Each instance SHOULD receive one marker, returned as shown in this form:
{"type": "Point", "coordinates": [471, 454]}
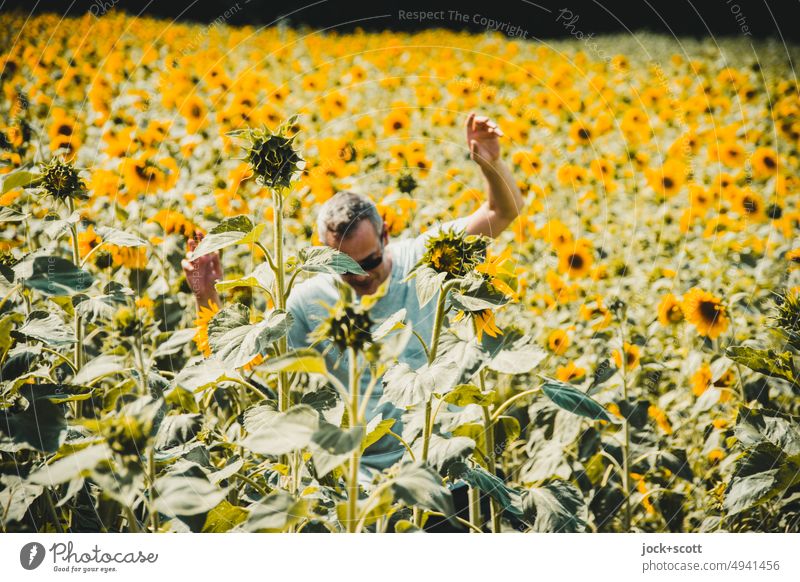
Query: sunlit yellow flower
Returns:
{"type": "Point", "coordinates": [669, 310]}
{"type": "Point", "coordinates": [172, 221]}
{"type": "Point", "coordinates": [669, 179]}
{"type": "Point", "coordinates": [660, 417]}
{"type": "Point", "coordinates": [793, 256]}
{"type": "Point", "coordinates": [495, 267]}
{"type": "Point", "coordinates": [576, 261]}
{"type": "Point", "coordinates": [396, 122]}
{"type": "Point", "coordinates": [485, 323]}
{"type": "Point", "coordinates": [597, 314]}
{"type": "Point", "coordinates": [765, 162]}
{"type": "Point", "coordinates": [194, 111]}
{"type": "Point", "coordinates": [706, 312]}
{"type": "Point", "coordinates": [558, 341]}
{"type": "Point", "coordinates": [87, 240]}
{"type": "Point", "coordinates": [570, 373]}
{"type": "Point", "coordinates": [130, 257]}
{"type": "Point", "coordinates": [631, 356]}
{"type": "Point", "coordinates": [204, 315]}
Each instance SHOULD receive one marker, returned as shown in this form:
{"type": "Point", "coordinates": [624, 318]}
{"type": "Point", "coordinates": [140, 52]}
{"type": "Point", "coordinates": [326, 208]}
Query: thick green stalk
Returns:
{"type": "Point", "coordinates": [626, 447]}
{"type": "Point", "coordinates": [280, 289]}
{"type": "Point", "coordinates": [76, 259]}
{"type": "Point", "coordinates": [475, 517]}
{"type": "Point", "coordinates": [437, 331]}
{"type": "Point", "coordinates": [151, 470]}
{"type": "Point", "coordinates": [490, 453]}
{"type": "Point", "coordinates": [355, 459]}
{"type": "Point", "coordinates": [427, 428]}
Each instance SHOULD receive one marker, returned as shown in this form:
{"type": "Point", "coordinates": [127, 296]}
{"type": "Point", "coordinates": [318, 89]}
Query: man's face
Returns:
{"type": "Point", "coordinates": [363, 245]}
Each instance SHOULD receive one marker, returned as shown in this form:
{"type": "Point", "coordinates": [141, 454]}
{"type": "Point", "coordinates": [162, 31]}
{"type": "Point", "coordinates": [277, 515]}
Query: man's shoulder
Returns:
{"type": "Point", "coordinates": [318, 288]}
{"type": "Point", "coordinates": [406, 252]}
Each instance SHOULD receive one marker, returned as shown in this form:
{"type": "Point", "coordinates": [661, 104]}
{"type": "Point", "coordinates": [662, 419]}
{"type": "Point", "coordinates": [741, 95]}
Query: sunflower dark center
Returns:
{"type": "Point", "coordinates": [575, 262]}
{"type": "Point", "coordinates": [708, 310]}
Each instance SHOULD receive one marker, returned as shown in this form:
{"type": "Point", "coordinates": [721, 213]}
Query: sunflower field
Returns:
{"type": "Point", "coordinates": [624, 358]}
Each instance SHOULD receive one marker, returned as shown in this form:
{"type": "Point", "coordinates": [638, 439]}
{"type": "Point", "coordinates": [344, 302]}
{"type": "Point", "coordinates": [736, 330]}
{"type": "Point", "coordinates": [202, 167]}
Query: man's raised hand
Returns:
{"type": "Point", "coordinates": [483, 139]}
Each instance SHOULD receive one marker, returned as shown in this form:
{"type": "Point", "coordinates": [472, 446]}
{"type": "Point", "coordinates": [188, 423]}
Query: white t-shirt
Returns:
{"type": "Point", "coordinates": [310, 302]}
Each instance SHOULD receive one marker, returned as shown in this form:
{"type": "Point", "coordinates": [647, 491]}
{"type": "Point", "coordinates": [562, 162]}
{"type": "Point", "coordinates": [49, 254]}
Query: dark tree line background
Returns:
{"type": "Point", "coordinates": [779, 19]}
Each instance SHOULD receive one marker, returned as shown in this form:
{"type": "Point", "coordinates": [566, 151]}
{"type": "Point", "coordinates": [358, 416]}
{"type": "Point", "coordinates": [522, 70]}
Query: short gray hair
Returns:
{"type": "Point", "coordinates": [341, 214]}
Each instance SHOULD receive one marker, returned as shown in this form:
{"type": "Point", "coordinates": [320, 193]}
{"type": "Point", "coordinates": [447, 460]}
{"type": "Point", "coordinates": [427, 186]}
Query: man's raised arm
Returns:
{"type": "Point", "coordinates": [505, 200]}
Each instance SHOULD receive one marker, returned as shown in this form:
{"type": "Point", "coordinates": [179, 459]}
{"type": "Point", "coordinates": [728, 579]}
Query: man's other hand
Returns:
{"type": "Point", "coordinates": [202, 272]}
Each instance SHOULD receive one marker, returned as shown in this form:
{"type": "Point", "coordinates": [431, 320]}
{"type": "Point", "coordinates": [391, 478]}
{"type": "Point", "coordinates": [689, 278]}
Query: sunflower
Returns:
{"type": "Point", "coordinates": [204, 315]}
{"type": "Point", "coordinates": [61, 180]}
{"type": "Point", "coordinates": [558, 341]}
{"type": "Point", "coordinates": [485, 323]}
{"type": "Point", "coordinates": [731, 154]}
{"type": "Point", "coordinates": [603, 171]}
{"type": "Point", "coordinates": [142, 175]}
{"type": "Point", "coordinates": [570, 373]}
{"type": "Point", "coordinates": [497, 268]}
{"type": "Point", "coordinates": [131, 257]}
{"type": "Point", "coordinates": [669, 310]}
{"type": "Point", "coordinates": [750, 205]}
{"type": "Point", "coordinates": [631, 356]}
{"type": "Point", "coordinates": [347, 326]}
{"type": "Point", "coordinates": [580, 133]}
{"type": "Point", "coordinates": [706, 312]}
{"type": "Point", "coordinates": [787, 315]}
{"type": "Point", "coordinates": [701, 379]}
{"type": "Point", "coordinates": [87, 240]}
{"type": "Point", "coordinates": [194, 111]}
{"type": "Point", "coordinates": [397, 121]}
{"type": "Point", "coordinates": [764, 162]}
{"type": "Point", "coordinates": [577, 261]}
{"type": "Point", "coordinates": [172, 221]}
{"type": "Point", "coordinates": [660, 417]}
{"type": "Point", "coordinates": [641, 487]}
{"type": "Point", "coordinates": [669, 179]}
{"type": "Point", "coordinates": [599, 315]}
{"type": "Point", "coordinates": [450, 252]}
{"type": "Point", "coordinates": [557, 234]}
{"type": "Point", "coordinates": [528, 162]}
{"type": "Point", "coordinates": [63, 133]}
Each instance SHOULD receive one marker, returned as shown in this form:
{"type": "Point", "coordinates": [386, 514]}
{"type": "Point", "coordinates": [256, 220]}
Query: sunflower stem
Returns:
{"type": "Point", "coordinates": [626, 486]}
{"type": "Point", "coordinates": [355, 459]}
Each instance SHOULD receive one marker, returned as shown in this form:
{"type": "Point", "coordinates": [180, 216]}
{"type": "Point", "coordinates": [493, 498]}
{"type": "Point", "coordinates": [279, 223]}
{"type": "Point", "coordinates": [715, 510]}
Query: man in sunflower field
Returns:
{"type": "Point", "coordinates": [351, 223]}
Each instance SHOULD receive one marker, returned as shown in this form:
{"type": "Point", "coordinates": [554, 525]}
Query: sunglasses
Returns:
{"type": "Point", "coordinates": [374, 262]}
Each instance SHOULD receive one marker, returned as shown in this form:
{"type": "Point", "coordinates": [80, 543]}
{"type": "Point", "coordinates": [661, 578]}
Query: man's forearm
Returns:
{"type": "Point", "coordinates": [205, 297]}
{"type": "Point", "coordinates": [505, 198]}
